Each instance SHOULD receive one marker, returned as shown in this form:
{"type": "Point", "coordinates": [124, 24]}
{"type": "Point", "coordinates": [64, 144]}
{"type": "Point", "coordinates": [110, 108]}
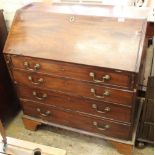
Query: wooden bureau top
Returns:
{"type": "Point", "coordinates": [61, 32]}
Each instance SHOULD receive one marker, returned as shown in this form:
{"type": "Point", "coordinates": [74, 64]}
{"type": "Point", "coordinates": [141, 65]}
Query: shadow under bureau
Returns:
{"type": "Point", "coordinates": [76, 69]}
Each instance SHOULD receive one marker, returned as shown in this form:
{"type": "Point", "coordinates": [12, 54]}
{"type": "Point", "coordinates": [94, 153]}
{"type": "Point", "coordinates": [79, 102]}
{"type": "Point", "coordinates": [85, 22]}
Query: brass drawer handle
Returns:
{"type": "Point", "coordinates": [106, 109]}
{"type": "Point", "coordinates": [105, 127]}
{"type": "Point", "coordinates": [72, 19]}
{"type": "Point", "coordinates": [39, 81]}
{"type": "Point", "coordinates": [27, 66]}
{"type": "Point", "coordinates": [47, 113]}
{"type": "Point", "coordinates": [39, 98]}
{"type": "Point", "coordinates": [106, 93]}
{"type": "Point", "coordinates": [105, 77]}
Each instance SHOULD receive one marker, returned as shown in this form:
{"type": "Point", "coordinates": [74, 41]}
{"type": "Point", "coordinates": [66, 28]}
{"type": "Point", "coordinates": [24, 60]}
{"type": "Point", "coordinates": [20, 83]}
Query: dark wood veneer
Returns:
{"type": "Point", "coordinates": [78, 104]}
{"type": "Point", "coordinates": [76, 120]}
{"type": "Point", "coordinates": [70, 86]}
{"type": "Point", "coordinates": [118, 78]}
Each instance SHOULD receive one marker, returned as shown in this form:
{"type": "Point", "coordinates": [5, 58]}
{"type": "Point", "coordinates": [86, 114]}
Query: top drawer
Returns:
{"type": "Point", "coordinates": [92, 74]}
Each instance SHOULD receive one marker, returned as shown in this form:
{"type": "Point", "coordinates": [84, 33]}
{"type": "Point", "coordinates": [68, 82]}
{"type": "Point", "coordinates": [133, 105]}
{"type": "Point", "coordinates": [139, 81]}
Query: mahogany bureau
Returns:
{"type": "Point", "coordinates": [76, 69]}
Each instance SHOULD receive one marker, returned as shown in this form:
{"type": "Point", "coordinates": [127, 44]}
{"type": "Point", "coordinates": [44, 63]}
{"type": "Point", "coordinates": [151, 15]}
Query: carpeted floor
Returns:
{"type": "Point", "coordinates": [74, 143]}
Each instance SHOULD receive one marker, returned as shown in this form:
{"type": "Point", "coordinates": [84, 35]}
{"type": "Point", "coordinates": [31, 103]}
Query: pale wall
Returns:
{"type": "Point", "coordinates": [10, 7]}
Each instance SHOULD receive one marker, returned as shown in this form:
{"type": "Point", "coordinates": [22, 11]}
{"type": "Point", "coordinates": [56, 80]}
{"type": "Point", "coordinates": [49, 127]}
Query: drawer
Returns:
{"type": "Point", "coordinates": [75, 120]}
{"type": "Point", "coordinates": [83, 105]}
{"type": "Point", "coordinates": [74, 87]}
{"type": "Point", "coordinates": [81, 72]}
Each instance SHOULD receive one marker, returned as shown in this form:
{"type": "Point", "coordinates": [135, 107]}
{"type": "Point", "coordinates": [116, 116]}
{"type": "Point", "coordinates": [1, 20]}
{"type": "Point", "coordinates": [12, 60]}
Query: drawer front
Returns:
{"type": "Point", "coordinates": [74, 87]}
{"type": "Point", "coordinates": [74, 120]}
{"type": "Point", "coordinates": [91, 107]}
{"type": "Point", "coordinates": [87, 73]}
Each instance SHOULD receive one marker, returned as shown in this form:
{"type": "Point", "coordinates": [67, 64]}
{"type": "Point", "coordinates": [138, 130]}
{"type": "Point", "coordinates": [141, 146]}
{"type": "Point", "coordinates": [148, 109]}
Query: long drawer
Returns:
{"type": "Point", "coordinates": [75, 120]}
{"type": "Point", "coordinates": [91, 107]}
{"type": "Point", "coordinates": [75, 87]}
{"type": "Point", "coordinates": [81, 72]}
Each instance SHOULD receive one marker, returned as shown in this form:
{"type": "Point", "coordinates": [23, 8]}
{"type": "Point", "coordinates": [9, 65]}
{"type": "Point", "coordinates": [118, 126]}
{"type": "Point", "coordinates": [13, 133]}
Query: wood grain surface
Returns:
{"type": "Point", "coordinates": [74, 87]}
{"type": "Point", "coordinates": [83, 39]}
{"type": "Point", "coordinates": [79, 104]}
{"type": "Point", "coordinates": [71, 119]}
